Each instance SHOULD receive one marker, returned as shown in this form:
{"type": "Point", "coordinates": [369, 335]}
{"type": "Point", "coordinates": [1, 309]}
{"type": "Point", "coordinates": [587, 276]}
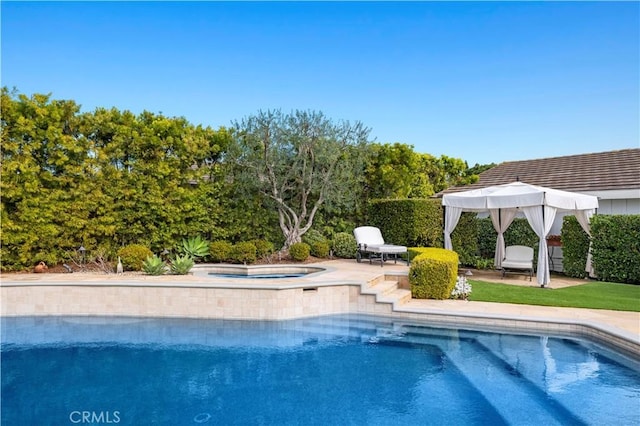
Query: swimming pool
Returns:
{"type": "Point", "coordinates": [347, 369]}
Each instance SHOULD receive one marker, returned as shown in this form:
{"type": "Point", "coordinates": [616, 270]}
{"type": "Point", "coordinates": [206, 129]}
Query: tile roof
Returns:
{"type": "Point", "coordinates": [611, 170]}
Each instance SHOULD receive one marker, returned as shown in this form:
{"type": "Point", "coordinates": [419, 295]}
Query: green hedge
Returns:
{"type": "Point", "coordinates": [410, 222]}
{"type": "Point", "coordinates": [616, 247]}
{"type": "Point", "coordinates": [465, 239]}
{"type": "Point", "coordinates": [575, 246]}
{"type": "Point", "coordinates": [433, 272]}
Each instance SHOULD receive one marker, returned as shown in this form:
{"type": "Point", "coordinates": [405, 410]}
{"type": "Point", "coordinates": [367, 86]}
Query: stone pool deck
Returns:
{"type": "Point", "coordinates": [344, 287]}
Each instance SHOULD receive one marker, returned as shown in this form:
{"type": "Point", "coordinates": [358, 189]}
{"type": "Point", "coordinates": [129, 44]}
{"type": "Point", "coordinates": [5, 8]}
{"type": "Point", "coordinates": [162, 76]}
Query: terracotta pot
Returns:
{"type": "Point", "coordinates": [40, 268]}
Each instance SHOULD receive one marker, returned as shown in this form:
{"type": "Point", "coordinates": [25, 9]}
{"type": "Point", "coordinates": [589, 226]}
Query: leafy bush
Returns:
{"type": "Point", "coordinates": [483, 263]}
{"type": "Point", "coordinates": [320, 245]}
{"type": "Point", "coordinates": [433, 273]}
{"type": "Point", "coordinates": [615, 247]}
{"type": "Point", "coordinates": [299, 251]}
{"type": "Point", "coordinates": [320, 249]}
{"type": "Point", "coordinates": [263, 248]}
{"type": "Point", "coordinates": [133, 256]}
{"type": "Point", "coordinates": [243, 252]}
{"type": "Point", "coordinates": [153, 265]}
{"type": "Point", "coordinates": [181, 265]}
{"type": "Point", "coordinates": [575, 246]}
{"type": "Point", "coordinates": [195, 247]}
{"type": "Point", "coordinates": [409, 222]}
{"type": "Point", "coordinates": [220, 251]}
{"type": "Point", "coordinates": [314, 236]}
{"type": "Point", "coordinates": [465, 238]}
{"type": "Point", "coordinates": [344, 245]}
{"type": "Point", "coordinates": [487, 237]}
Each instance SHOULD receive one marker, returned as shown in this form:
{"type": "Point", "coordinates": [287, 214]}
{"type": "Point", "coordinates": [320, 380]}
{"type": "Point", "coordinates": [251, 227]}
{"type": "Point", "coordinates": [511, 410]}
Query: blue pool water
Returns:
{"type": "Point", "coordinates": [335, 370]}
{"type": "Point", "coordinates": [256, 276]}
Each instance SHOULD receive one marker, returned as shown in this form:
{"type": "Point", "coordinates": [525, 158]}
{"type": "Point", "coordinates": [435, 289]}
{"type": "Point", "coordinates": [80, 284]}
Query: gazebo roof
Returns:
{"type": "Point", "coordinates": [518, 194]}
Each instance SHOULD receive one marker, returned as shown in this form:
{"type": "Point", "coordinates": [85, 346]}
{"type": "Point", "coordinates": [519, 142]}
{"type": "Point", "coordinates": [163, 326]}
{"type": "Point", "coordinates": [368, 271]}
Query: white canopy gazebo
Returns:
{"type": "Point", "coordinates": [538, 204]}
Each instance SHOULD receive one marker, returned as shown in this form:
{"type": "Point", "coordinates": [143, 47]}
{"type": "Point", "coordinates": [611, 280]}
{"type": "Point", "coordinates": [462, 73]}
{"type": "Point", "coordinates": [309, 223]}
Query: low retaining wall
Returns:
{"type": "Point", "coordinates": [187, 302]}
{"type": "Point", "coordinates": [197, 301]}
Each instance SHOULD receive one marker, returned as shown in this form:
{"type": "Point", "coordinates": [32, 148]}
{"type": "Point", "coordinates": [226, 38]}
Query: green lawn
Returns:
{"type": "Point", "coordinates": [595, 295]}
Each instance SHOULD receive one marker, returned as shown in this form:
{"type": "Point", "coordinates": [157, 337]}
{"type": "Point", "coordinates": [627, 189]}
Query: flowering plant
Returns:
{"type": "Point", "coordinates": [462, 288]}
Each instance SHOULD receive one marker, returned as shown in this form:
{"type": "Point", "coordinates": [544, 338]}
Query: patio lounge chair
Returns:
{"type": "Point", "coordinates": [518, 258]}
{"type": "Point", "coordinates": [372, 245]}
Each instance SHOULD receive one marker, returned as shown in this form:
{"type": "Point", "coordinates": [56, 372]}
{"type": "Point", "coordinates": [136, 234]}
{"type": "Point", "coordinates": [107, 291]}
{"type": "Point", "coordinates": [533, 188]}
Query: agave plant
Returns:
{"type": "Point", "coordinates": [195, 247]}
{"type": "Point", "coordinates": [153, 265]}
{"type": "Point", "coordinates": [181, 265]}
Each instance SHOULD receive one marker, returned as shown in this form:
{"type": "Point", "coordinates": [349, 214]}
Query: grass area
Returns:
{"type": "Point", "coordinates": [594, 295]}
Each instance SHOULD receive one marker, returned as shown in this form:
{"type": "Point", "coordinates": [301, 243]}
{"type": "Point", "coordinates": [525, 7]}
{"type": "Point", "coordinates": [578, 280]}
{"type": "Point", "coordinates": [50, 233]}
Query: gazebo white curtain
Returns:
{"type": "Point", "coordinates": [501, 220]}
{"type": "Point", "coordinates": [452, 216]}
{"type": "Point", "coordinates": [541, 220]}
{"type": "Point", "coordinates": [540, 206]}
{"type": "Point", "coordinates": [584, 219]}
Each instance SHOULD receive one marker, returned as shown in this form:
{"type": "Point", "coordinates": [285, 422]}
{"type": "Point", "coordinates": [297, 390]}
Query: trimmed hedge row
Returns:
{"type": "Point", "coordinates": [412, 222]}
{"type": "Point", "coordinates": [433, 272]}
{"type": "Point", "coordinates": [615, 247]}
{"type": "Point", "coordinates": [575, 246]}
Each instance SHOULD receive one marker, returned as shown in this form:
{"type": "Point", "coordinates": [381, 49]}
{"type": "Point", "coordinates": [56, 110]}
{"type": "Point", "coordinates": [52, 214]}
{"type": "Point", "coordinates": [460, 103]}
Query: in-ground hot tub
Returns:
{"type": "Point", "coordinates": [255, 271]}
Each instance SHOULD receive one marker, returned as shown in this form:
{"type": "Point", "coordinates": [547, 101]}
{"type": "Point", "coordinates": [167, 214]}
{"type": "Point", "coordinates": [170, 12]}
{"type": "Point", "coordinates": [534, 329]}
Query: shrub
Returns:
{"type": "Point", "coordinates": [313, 236]}
{"type": "Point", "coordinates": [153, 265]}
{"type": "Point", "coordinates": [408, 222]}
{"type": "Point", "coordinates": [615, 248]}
{"type": "Point", "coordinates": [195, 247]}
{"type": "Point", "coordinates": [575, 246]}
{"type": "Point", "coordinates": [181, 265]}
{"type": "Point", "coordinates": [344, 245]}
{"type": "Point", "coordinates": [263, 248]}
{"type": "Point", "coordinates": [483, 263]}
{"type": "Point", "coordinates": [299, 251]}
{"type": "Point", "coordinates": [465, 238]}
{"type": "Point", "coordinates": [243, 252]}
{"type": "Point", "coordinates": [133, 256]}
{"type": "Point", "coordinates": [220, 251]}
{"type": "Point", "coordinates": [487, 237]}
{"type": "Point", "coordinates": [320, 249]}
{"type": "Point", "coordinates": [433, 273]}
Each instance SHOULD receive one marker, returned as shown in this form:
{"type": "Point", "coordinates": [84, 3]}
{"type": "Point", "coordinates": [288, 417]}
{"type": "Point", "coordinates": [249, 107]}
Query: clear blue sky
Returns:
{"type": "Point", "coordinates": [485, 82]}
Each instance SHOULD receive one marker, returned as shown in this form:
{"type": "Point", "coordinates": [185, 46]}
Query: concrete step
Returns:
{"type": "Point", "coordinates": [381, 288]}
{"type": "Point", "coordinates": [398, 296]}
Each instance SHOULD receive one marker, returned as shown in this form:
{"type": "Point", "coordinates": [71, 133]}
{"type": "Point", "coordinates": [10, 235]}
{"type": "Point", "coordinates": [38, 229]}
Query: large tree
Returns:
{"type": "Point", "coordinates": [300, 162]}
{"type": "Point", "coordinates": [396, 171]}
